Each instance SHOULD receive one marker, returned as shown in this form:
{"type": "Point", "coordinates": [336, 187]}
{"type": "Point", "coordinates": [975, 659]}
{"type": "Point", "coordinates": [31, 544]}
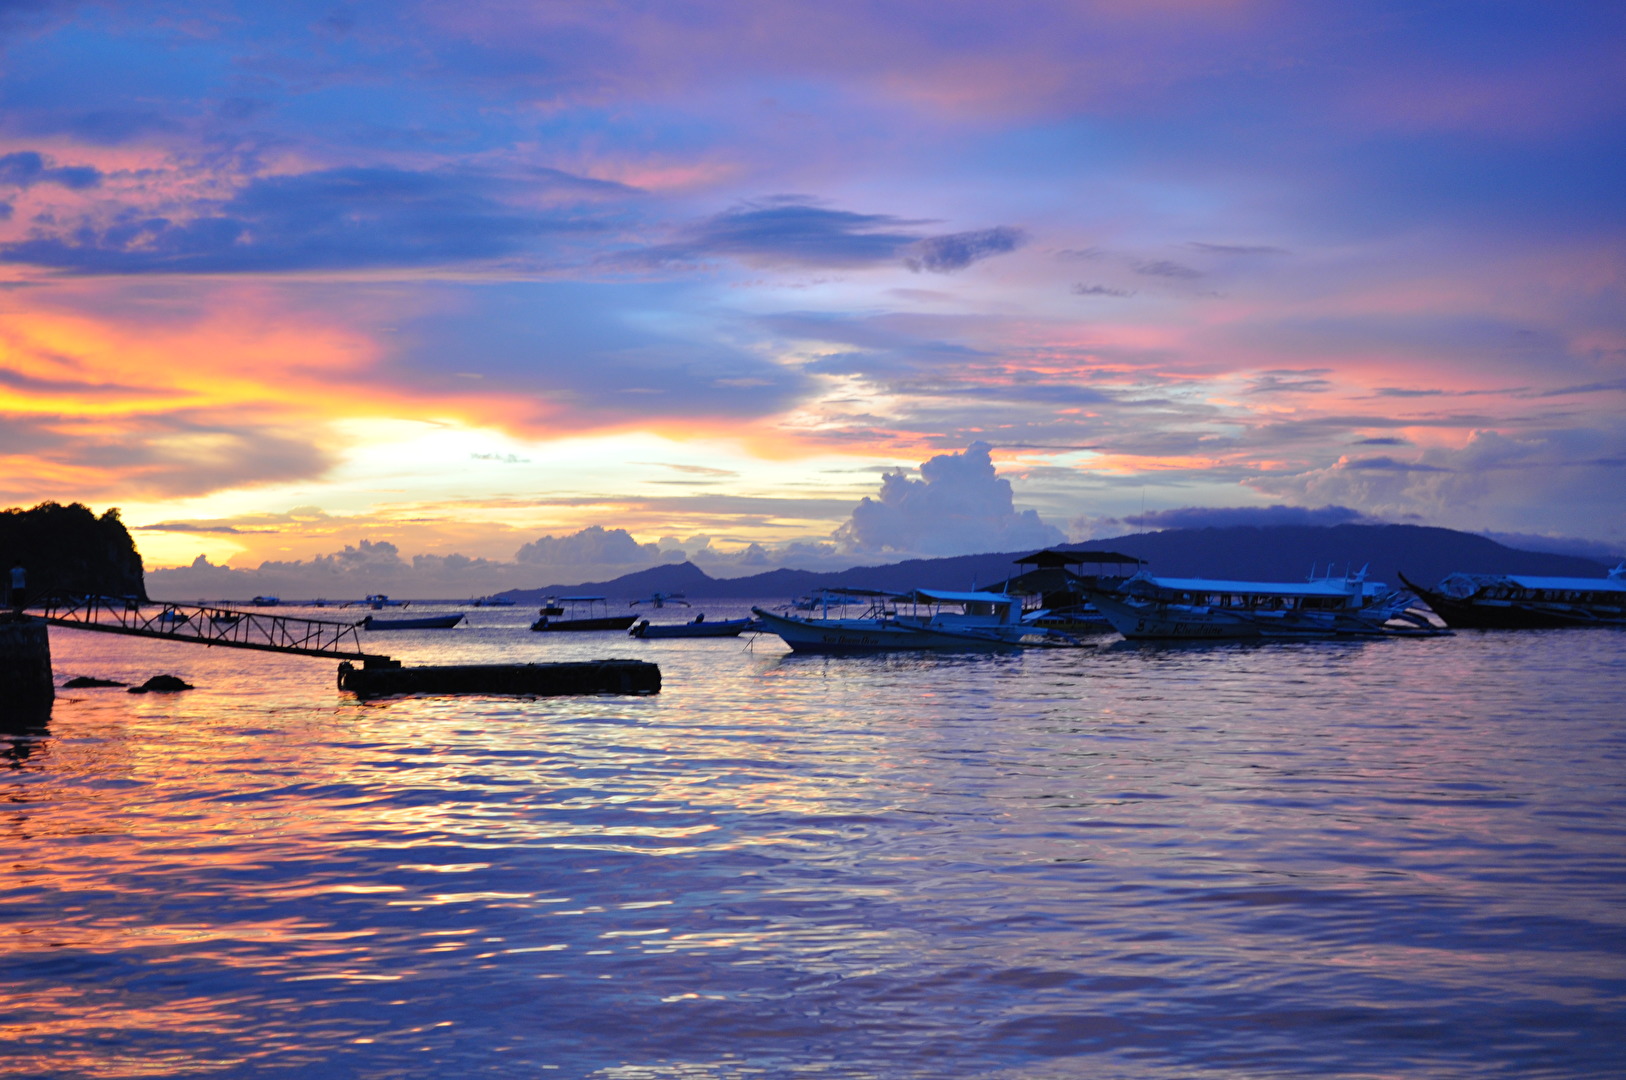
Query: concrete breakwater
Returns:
{"type": "Point", "coordinates": [26, 686]}
{"type": "Point", "coordinates": [542, 680]}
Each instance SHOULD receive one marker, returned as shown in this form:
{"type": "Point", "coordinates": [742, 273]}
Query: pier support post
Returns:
{"type": "Point", "coordinates": [26, 686]}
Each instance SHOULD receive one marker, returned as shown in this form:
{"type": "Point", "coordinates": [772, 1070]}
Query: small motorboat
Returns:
{"type": "Point", "coordinates": [586, 613]}
{"type": "Point", "coordinates": [378, 601]}
{"type": "Point", "coordinates": [265, 601]}
{"type": "Point", "coordinates": [421, 622]}
{"type": "Point", "coordinates": [696, 627]}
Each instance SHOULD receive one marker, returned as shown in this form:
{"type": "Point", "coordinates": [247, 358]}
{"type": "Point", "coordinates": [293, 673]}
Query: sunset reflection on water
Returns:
{"type": "Point", "coordinates": [1385, 858]}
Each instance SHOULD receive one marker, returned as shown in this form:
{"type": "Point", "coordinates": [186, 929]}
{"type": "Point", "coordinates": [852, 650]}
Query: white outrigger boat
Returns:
{"type": "Point", "coordinates": [936, 619]}
{"type": "Point", "coordinates": [1145, 607]}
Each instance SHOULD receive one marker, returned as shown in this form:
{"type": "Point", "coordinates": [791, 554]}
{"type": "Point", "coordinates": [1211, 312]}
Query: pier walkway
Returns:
{"type": "Point", "coordinates": [229, 627]}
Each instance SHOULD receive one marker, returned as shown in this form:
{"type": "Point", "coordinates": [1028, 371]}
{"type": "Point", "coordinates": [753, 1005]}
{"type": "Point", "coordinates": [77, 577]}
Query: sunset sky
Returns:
{"type": "Point", "coordinates": [503, 291]}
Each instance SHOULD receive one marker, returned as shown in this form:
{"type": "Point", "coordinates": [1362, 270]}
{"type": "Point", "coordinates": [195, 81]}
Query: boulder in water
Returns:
{"type": "Point", "coordinates": [162, 684]}
{"type": "Point", "coordinates": [85, 682]}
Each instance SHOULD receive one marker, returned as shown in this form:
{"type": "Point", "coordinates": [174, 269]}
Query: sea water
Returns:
{"type": "Point", "coordinates": [1401, 858]}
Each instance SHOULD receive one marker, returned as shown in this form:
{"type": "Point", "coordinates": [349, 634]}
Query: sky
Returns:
{"type": "Point", "coordinates": [479, 295]}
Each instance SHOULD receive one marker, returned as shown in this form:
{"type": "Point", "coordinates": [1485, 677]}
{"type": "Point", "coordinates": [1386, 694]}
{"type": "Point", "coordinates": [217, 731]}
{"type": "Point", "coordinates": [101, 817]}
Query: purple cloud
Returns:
{"type": "Point", "coordinates": [1224, 517]}
{"type": "Point", "coordinates": [26, 168]}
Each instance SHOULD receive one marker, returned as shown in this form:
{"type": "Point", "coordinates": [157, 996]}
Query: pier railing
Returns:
{"type": "Point", "coordinates": [209, 624]}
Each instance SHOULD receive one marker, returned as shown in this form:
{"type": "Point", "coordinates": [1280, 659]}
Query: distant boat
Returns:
{"type": "Point", "coordinates": [1145, 607]}
{"type": "Point", "coordinates": [422, 622]}
{"type": "Point", "coordinates": [661, 599]}
{"type": "Point", "coordinates": [378, 601]}
{"type": "Point", "coordinates": [172, 618]}
{"type": "Point", "coordinates": [582, 615]}
{"type": "Point", "coordinates": [1524, 602]}
{"type": "Point", "coordinates": [265, 601]}
{"type": "Point", "coordinates": [697, 627]}
{"type": "Point", "coordinates": [551, 607]}
{"type": "Point", "coordinates": [225, 618]}
{"type": "Point", "coordinates": [492, 601]}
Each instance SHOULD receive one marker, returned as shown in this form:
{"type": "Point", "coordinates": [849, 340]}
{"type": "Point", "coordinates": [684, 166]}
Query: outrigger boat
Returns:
{"type": "Point", "coordinates": [589, 621]}
{"type": "Point", "coordinates": [937, 619]}
{"type": "Point", "coordinates": [1523, 602]}
{"type": "Point", "coordinates": [696, 627]}
{"type": "Point", "coordinates": [1145, 607]}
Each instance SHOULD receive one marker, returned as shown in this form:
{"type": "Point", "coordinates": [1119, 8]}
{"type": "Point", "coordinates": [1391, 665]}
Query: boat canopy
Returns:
{"type": "Point", "coordinates": [1051, 558]}
{"type": "Point", "coordinates": [939, 596]}
{"type": "Point", "coordinates": [1335, 587]}
{"type": "Point", "coordinates": [1544, 584]}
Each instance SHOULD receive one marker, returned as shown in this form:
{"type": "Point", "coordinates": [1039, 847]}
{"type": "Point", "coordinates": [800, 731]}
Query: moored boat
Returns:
{"type": "Point", "coordinates": [1526, 602]}
{"type": "Point", "coordinates": [697, 627]}
{"type": "Point", "coordinates": [1146, 607]}
{"type": "Point", "coordinates": [421, 622]}
{"type": "Point", "coordinates": [584, 613]}
{"type": "Point", "coordinates": [936, 620]}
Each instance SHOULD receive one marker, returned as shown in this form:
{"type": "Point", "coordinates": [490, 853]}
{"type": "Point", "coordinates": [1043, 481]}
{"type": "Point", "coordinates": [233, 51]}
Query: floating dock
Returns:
{"type": "Point", "coordinates": [541, 680]}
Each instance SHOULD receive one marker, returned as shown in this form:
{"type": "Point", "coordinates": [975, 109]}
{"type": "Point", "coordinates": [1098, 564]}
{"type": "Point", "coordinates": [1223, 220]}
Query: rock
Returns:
{"type": "Point", "coordinates": [161, 684]}
{"type": "Point", "coordinates": [84, 682]}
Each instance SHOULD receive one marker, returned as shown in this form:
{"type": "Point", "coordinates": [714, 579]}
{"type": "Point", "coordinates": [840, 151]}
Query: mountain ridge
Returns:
{"type": "Point", "coordinates": [1237, 552]}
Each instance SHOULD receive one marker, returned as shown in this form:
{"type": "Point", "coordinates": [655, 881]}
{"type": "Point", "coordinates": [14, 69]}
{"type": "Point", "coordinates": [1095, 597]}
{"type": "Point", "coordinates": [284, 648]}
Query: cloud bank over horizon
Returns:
{"type": "Point", "coordinates": [959, 506]}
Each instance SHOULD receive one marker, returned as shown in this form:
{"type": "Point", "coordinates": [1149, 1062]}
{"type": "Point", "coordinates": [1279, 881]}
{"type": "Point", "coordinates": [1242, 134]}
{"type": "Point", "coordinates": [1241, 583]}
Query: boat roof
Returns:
{"type": "Point", "coordinates": [1336, 587]}
{"type": "Point", "coordinates": [1052, 557]}
{"type": "Point", "coordinates": [941, 596]}
{"type": "Point", "coordinates": [1526, 581]}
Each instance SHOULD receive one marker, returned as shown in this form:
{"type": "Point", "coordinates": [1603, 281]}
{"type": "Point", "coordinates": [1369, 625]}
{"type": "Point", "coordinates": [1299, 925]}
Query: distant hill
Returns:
{"type": "Point", "coordinates": [1242, 552]}
{"type": "Point", "coordinates": [69, 550]}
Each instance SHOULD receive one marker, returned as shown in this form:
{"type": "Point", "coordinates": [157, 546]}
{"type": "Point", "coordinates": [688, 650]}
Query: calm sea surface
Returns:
{"type": "Point", "coordinates": [1393, 859]}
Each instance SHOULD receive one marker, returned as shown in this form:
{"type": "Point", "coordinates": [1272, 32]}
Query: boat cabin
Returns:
{"type": "Point", "coordinates": [1350, 593]}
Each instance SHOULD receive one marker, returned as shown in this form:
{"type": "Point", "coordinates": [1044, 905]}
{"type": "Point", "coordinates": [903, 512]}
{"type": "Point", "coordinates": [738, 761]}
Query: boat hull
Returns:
{"type": "Point", "coordinates": [1146, 621]}
{"type": "Point", "coordinates": [425, 622]}
{"type": "Point", "coordinates": [724, 628]}
{"type": "Point", "coordinates": [1478, 614]}
{"type": "Point", "coordinates": [603, 622]}
{"type": "Point", "coordinates": [872, 635]}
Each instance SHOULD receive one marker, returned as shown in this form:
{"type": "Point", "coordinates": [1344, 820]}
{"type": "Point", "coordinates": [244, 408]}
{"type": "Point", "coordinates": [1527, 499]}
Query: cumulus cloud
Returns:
{"type": "Point", "coordinates": [1564, 480]}
{"type": "Point", "coordinates": [959, 506]}
{"type": "Point", "coordinates": [593, 545]}
{"type": "Point", "coordinates": [592, 554]}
